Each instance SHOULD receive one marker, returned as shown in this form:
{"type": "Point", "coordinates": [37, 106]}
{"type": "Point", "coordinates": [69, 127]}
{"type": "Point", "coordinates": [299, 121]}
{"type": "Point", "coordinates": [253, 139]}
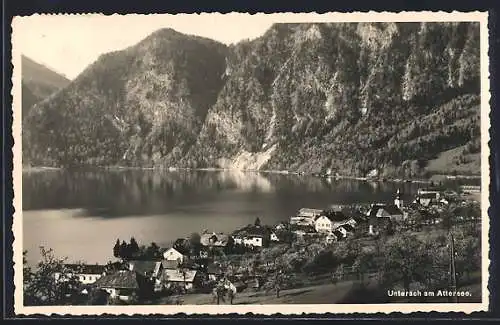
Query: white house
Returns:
{"type": "Point", "coordinates": [249, 240]}
{"type": "Point", "coordinates": [328, 223]}
{"type": "Point", "coordinates": [305, 217]}
{"type": "Point", "coordinates": [172, 254]}
{"type": "Point", "coordinates": [85, 274]}
{"type": "Point", "coordinates": [274, 237]}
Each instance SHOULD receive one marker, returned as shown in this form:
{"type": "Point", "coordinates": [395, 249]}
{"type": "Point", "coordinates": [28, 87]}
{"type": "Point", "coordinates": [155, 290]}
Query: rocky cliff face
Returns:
{"type": "Point", "coordinates": [346, 96]}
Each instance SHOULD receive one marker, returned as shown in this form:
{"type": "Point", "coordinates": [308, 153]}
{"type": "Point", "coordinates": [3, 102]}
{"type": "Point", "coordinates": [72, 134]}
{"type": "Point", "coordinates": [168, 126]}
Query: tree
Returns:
{"type": "Point", "coordinates": [124, 250]}
{"type": "Point", "coordinates": [51, 283]}
{"type": "Point", "coordinates": [116, 249]}
{"type": "Point", "coordinates": [364, 264]}
{"type": "Point", "coordinates": [133, 247]}
{"type": "Point", "coordinates": [195, 243]}
{"type": "Point", "coordinates": [257, 222]}
{"type": "Point", "coordinates": [407, 260]}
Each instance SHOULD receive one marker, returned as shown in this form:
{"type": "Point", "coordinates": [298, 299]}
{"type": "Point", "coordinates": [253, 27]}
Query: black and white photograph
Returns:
{"type": "Point", "coordinates": [234, 163]}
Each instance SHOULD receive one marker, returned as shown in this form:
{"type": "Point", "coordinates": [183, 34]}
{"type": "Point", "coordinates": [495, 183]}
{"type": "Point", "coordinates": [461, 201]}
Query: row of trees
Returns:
{"type": "Point", "coordinates": [132, 250]}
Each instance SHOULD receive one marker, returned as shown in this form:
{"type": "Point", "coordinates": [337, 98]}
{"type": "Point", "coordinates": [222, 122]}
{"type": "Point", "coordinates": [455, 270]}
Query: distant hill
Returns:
{"type": "Point", "coordinates": [350, 97]}
{"type": "Point", "coordinates": [38, 83]}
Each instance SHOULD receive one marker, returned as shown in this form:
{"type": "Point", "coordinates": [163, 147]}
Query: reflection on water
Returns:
{"type": "Point", "coordinates": [146, 192]}
{"type": "Point", "coordinates": [81, 213]}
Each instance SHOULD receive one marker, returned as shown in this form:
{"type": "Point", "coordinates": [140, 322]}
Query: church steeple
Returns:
{"type": "Point", "coordinates": [398, 201]}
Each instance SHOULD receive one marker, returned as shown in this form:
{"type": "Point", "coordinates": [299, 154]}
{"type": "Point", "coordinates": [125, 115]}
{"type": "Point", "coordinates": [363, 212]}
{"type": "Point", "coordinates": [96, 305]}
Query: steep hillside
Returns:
{"type": "Point", "coordinates": [346, 96]}
{"type": "Point", "coordinates": [38, 83]}
{"type": "Point", "coordinates": [138, 106]}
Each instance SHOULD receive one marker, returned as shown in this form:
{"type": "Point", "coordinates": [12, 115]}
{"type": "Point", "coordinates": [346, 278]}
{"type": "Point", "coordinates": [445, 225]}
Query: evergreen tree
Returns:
{"type": "Point", "coordinates": [124, 250]}
{"type": "Point", "coordinates": [133, 247]}
{"type": "Point", "coordinates": [257, 222]}
{"type": "Point", "coordinates": [116, 248]}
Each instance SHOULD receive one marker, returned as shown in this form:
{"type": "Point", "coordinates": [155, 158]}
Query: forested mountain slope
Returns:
{"type": "Point", "coordinates": [347, 96]}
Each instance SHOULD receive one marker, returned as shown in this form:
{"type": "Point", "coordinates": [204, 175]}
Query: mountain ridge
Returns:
{"type": "Point", "coordinates": [306, 97]}
{"type": "Point", "coordinates": [38, 82]}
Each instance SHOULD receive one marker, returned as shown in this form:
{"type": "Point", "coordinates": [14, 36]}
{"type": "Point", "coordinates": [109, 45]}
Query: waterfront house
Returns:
{"type": "Point", "coordinates": [427, 199]}
{"type": "Point", "coordinates": [173, 254]}
{"type": "Point", "coordinates": [434, 191]}
{"type": "Point", "coordinates": [469, 189]}
{"type": "Point", "coordinates": [84, 273]}
{"type": "Point", "coordinates": [305, 217]}
{"type": "Point", "coordinates": [332, 220]}
{"type": "Point", "coordinates": [189, 279]}
{"type": "Point", "coordinates": [390, 211]}
{"type": "Point", "coordinates": [123, 285]}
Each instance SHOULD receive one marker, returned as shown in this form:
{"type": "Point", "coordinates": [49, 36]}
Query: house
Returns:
{"type": "Point", "coordinates": [330, 238]}
{"type": "Point", "coordinates": [434, 191]}
{"type": "Point", "coordinates": [189, 279]}
{"type": "Point", "coordinates": [84, 273]}
{"type": "Point", "coordinates": [468, 189]}
{"type": "Point", "coordinates": [427, 199]}
{"type": "Point", "coordinates": [390, 211]}
{"type": "Point", "coordinates": [339, 234]}
{"type": "Point", "coordinates": [148, 269]}
{"type": "Point", "coordinates": [301, 230]}
{"type": "Point", "coordinates": [215, 240]}
{"type": "Point", "coordinates": [332, 220]}
{"type": "Point", "coordinates": [172, 254]}
{"type": "Point", "coordinates": [274, 237]}
{"type": "Point", "coordinates": [305, 217]}
{"type": "Point", "coordinates": [378, 224]}
{"type": "Point", "coordinates": [253, 235]}
{"type": "Point", "coordinates": [122, 284]}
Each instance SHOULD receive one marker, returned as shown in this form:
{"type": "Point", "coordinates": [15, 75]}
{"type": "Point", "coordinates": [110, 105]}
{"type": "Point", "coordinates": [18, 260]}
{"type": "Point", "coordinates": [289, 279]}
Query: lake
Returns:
{"type": "Point", "coordinates": [80, 214]}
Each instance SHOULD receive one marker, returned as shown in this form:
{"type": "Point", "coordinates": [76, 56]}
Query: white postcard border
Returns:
{"type": "Point", "coordinates": [292, 309]}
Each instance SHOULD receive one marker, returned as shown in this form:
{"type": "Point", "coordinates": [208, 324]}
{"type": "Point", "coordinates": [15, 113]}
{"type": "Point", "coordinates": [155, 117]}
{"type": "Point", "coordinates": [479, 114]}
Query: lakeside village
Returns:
{"type": "Point", "coordinates": [355, 244]}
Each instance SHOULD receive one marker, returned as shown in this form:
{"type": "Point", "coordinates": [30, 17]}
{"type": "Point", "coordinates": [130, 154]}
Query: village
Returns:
{"type": "Point", "coordinates": [316, 246]}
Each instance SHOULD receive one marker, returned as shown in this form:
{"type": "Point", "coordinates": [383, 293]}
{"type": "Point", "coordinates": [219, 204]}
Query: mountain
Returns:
{"type": "Point", "coordinates": [350, 97]}
{"type": "Point", "coordinates": [38, 83]}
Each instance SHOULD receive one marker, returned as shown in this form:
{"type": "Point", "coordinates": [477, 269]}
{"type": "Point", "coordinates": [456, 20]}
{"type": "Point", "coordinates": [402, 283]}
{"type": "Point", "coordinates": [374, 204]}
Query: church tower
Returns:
{"type": "Point", "coordinates": [398, 201]}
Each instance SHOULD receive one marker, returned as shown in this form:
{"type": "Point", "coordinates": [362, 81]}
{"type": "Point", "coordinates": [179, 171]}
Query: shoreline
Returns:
{"type": "Point", "coordinates": [430, 179]}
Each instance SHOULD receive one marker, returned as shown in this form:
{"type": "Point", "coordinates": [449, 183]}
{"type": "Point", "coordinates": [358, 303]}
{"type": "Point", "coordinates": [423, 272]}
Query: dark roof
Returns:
{"type": "Point", "coordinates": [253, 230]}
{"type": "Point", "coordinates": [85, 268]}
{"type": "Point", "coordinates": [335, 215]}
{"type": "Point", "coordinates": [121, 279]}
{"type": "Point", "coordinates": [393, 209]}
{"type": "Point", "coordinates": [143, 267]}
{"type": "Point", "coordinates": [390, 208]}
{"type": "Point", "coordinates": [338, 233]}
{"type": "Point", "coordinates": [306, 228]}
{"type": "Point", "coordinates": [348, 227]}
{"type": "Point", "coordinates": [427, 195]}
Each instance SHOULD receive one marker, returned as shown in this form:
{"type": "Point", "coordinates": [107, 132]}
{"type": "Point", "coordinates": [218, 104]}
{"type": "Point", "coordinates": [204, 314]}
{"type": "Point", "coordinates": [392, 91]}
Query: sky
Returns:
{"type": "Point", "coordinates": [69, 43]}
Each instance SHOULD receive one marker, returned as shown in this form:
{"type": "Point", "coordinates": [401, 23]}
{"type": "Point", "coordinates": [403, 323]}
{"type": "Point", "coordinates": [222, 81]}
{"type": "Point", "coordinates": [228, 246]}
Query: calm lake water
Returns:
{"type": "Point", "coordinates": [80, 214]}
